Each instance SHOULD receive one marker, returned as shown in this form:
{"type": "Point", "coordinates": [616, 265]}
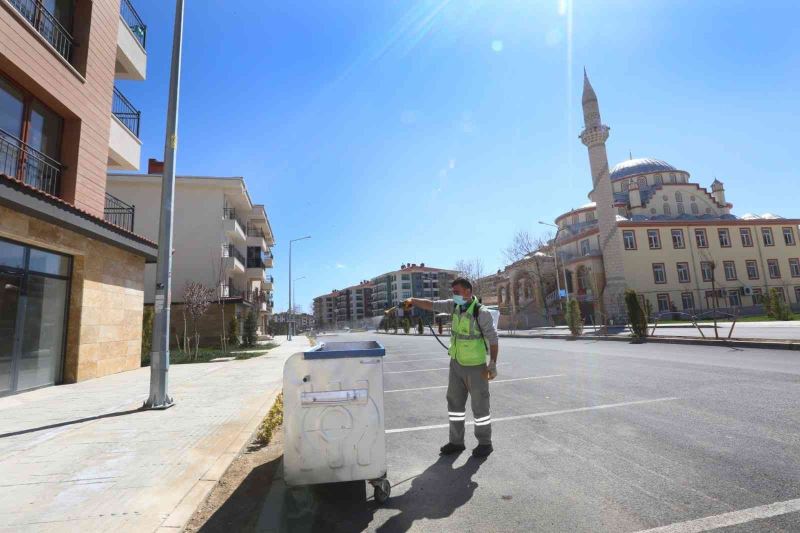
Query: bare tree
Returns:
{"type": "Point", "coordinates": [534, 254]}
{"type": "Point", "coordinates": [197, 299]}
{"type": "Point", "coordinates": [472, 269]}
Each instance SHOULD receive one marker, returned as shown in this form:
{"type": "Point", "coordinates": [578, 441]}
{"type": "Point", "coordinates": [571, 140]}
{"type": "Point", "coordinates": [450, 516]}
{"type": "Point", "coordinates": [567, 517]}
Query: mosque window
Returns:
{"type": "Point", "coordinates": [652, 210]}
{"type": "Point", "coordinates": [589, 216]}
{"type": "Point", "coordinates": [667, 209]}
{"type": "Point", "coordinates": [672, 178]}
{"type": "Point", "coordinates": [658, 179]}
{"type": "Point", "coordinates": [665, 197]}
{"type": "Point", "coordinates": [678, 196]}
{"type": "Point", "coordinates": [681, 210]}
{"type": "Point", "coordinates": [625, 186]}
{"type": "Point", "coordinates": [642, 182]}
{"type": "Point", "coordinates": [695, 209]}
{"type": "Point", "coordinates": [692, 198]}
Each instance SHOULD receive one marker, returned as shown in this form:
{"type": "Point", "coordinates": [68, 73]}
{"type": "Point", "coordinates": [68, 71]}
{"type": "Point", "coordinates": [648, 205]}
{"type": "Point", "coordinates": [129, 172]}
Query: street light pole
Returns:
{"type": "Point", "coordinates": [291, 313]}
{"type": "Point", "coordinates": [294, 289]}
{"type": "Point", "coordinates": [159, 356]}
{"type": "Point", "coordinates": [555, 256]}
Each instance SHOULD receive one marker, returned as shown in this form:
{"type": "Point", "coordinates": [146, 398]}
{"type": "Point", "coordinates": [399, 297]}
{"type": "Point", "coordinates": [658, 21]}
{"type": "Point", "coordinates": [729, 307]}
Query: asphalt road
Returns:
{"type": "Point", "coordinates": [589, 436]}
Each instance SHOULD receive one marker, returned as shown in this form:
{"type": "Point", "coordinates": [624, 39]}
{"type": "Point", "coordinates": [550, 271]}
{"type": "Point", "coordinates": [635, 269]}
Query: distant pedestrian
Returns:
{"type": "Point", "coordinates": [472, 332]}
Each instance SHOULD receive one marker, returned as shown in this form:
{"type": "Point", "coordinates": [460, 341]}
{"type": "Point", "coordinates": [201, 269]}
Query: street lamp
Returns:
{"type": "Point", "coordinates": [555, 256]}
{"type": "Point", "coordinates": [294, 289]}
{"type": "Point", "coordinates": [289, 329]}
{"type": "Point", "coordinates": [159, 356]}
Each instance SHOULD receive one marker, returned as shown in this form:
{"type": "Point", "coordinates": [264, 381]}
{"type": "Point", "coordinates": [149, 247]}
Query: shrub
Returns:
{"type": "Point", "coordinates": [233, 330]}
{"type": "Point", "coordinates": [147, 334]}
{"type": "Point", "coordinates": [250, 329]}
{"type": "Point", "coordinates": [778, 308]}
{"type": "Point", "coordinates": [636, 315]}
{"type": "Point", "coordinates": [420, 326]}
{"type": "Point", "coordinates": [573, 318]}
{"type": "Point", "coordinates": [271, 422]}
{"type": "Point", "coordinates": [406, 326]}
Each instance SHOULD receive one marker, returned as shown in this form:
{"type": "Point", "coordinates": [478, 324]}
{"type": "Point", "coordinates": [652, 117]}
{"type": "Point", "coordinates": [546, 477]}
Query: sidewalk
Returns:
{"type": "Point", "coordinates": [81, 457]}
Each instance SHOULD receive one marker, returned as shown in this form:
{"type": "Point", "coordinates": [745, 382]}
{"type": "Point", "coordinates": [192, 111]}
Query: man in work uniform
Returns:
{"type": "Point", "coordinates": [473, 329]}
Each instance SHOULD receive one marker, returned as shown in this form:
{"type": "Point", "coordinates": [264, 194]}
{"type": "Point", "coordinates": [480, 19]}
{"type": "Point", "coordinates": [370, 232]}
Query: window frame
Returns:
{"type": "Point", "coordinates": [703, 271]}
{"type": "Point", "coordinates": [770, 264]}
{"type": "Point", "coordinates": [794, 266]}
{"type": "Point", "coordinates": [764, 233]}
{"type": "Point", "coordinates": [701, 232]}
{"type": "Point", "coordinates": [731, 294]}
{"type": "Point", "coordinates": [663, 273]}
{"type": "Point", "coordinates": [663, 296]}
{"type": "Point", "coordinates": [657, 233]}
{"type": "Point", "coordinates": [727, 233]}
{"type": "Point", "coordinates": [673, 233]}
{"type": "Point", "coordinates": [732, 264]}
{"type": "Point", "coordinates": [625, 243]}
{"type": "Point", "coordinates": [685, 266]}
{"type": "Point", "coordinates": [752, 262]}
{"type": "Point", "coordinates": [691, 299]}
{"type": "Point", "coordinates": [790, 234]}
{"type": "Point", "coordinates": [742, 233]}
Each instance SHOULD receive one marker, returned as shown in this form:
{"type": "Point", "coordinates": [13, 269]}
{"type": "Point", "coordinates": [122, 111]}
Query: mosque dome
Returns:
{"type": "Point", "coordinates": [633, 167]}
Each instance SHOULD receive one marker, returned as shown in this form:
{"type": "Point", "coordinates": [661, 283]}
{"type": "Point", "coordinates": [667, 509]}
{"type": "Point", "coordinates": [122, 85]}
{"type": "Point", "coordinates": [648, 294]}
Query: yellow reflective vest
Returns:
{"type": "Point", "coordinates": [467, 345]}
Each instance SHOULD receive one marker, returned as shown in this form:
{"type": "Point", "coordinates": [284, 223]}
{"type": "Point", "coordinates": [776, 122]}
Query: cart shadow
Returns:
{"type": "Point", "coordinates": [436, 493]}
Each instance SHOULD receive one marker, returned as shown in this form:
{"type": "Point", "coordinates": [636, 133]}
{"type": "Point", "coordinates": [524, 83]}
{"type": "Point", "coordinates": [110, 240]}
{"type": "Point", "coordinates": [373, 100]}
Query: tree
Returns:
{"type": "Point", "coordinates": [249, 335]}
{"type": "Point", "coordinates": [233, 330]}
{"type": "Point", "coordinates": [420, 326]}
{"type": "Point", "coordinates": [406, 325]}
{"type": "Point", "coordinates": [636, 315]}
{"type": "Point", "coordinates": [779, 309]}
{"type": "Point", "coordinates": [196, 298]}
{"type": "Point", "coordinates": [147, 334]}
{"type": "Point", "coordinates": [472, 269]}
{"type": "Point", "coordinates": [573, 317]}
{"type": "Point", "coordinates": [534, 255]}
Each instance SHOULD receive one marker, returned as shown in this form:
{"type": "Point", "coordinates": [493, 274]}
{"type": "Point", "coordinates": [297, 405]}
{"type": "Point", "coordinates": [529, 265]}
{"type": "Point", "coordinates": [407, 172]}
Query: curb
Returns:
{"type": "Point", "coordinates": [732, 343]}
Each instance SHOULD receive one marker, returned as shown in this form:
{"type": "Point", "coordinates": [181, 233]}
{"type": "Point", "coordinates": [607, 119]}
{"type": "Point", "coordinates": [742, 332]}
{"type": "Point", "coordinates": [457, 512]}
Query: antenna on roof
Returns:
{"type": "Point", "coordinates": [630, 155]}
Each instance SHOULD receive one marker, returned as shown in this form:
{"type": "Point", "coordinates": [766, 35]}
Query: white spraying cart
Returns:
{"type": "Point", "coordinates": [333, 416]}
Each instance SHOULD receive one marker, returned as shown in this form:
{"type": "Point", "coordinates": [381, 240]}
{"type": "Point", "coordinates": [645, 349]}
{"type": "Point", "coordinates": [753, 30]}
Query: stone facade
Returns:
{"type": "Point", "coordinates": [104, 324]}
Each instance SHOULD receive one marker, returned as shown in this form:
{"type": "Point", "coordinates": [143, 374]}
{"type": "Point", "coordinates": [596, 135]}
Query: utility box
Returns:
{"type": "Point", "coordinates": [333, 416]}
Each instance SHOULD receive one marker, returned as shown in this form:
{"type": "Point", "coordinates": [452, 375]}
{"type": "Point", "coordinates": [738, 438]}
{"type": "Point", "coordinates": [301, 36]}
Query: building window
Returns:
{"type": "Point", "coordinates": [794, 267]}
{"type": "Point", "coordinates": [767, 234]}
{"type": "Point", "coordinates": [585, 247]}
{"type": "Point", "coordinates": [625, 186]}
{"type": "Point", "coordinates": [654, 239]}
{"type": "Point", "coordinates": [788, 236]}
{"type": "Point", "coordinates": [701, 238]}
{"type": "Point", "coordinates": [575, 219]}
{"type": "Point", "coordinates": [642, 181]}
{"type": "Point", "coordinates": [677, 239]}
{"type": "Point", "coordinates": [774, 269]}
{"type": "Point", "coordinates": [672, 178]}
{"type": "Point", "coordinates": [797, 294]}
{"type": "Point", "coordinates": [687, 299]}
{"type": "Point", "coordinates": [730, 270]}
{"type": "Point", "coordinates": [758, 297]}
{"type": "Point", "coordinates": [405, 277]}
{"type": "Point", "coordinates": [747, 238]}
{"type": "Point", "coordinates": [405, 285]}
{"type": "Point", "coordinates": [683, 272]}
{"type": "Point", "coordinates": [681, 210]}
{"type": "Point", "coordinates": [734, 299]}
{"type": "Point", "coordinates": [752, 269]}
{"type": "Point", "coordinates": [667, 209]}
{"type": "Point", "coordinates": [658, 180]}
{"type": "Point", "coordinates": [589, 216]}
{"type": "Point", "coordinates": [678, 196]}
{"type": "Point", "coordinates": [695, 209]}
{"type": "Point", "coordinates": [707, 270]}
{"type": "Point", "coordinates": [663, 302]}
{"type": "Point", "coordinates": [629, 238]}
{"type": "Point", "coordinates": [659, 273]}
{"type": "Point", "coordinates": [724, 237]}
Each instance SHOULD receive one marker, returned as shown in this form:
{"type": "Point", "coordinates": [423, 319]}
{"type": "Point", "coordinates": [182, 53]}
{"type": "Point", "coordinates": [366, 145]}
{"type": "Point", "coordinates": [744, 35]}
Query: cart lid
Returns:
{"type": "Point", "coordinates": [335, 350]}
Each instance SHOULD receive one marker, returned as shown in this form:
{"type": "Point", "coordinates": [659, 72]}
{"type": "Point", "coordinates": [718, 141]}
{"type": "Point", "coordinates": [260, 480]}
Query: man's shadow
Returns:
{"type": "Point", "coordinates": [434, 494]}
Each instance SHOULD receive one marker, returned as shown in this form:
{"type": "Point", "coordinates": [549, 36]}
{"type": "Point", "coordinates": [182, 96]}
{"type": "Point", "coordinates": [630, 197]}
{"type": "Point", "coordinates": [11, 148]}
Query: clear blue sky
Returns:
{"type": "Point", "coordinates": [430, 131]}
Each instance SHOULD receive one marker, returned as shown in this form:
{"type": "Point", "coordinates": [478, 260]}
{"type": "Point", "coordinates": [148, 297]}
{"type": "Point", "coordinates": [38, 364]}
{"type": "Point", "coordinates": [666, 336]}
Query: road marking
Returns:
{"type": "Point", "coordinates": [729, 519]}
{"type": "Point", "coordinates": [428, 369]}
{"type": "Point", "coordinates": [540, 415]}
{"type": "Point", "coordinates": [415, 360]}
{"type": "Point", "coordinates": [495, 382]}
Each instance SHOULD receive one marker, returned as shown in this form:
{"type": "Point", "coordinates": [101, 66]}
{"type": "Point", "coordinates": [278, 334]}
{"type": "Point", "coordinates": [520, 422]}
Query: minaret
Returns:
{"type": "Point", "coordinates": [594, 136]}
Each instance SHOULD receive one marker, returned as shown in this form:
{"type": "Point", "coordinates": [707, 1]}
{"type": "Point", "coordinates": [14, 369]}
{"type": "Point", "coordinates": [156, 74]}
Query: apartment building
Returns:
{"type": "Point", "coordinates": [71, 268]}
{"type": "Point", "coordinates": [303, 321]}
{"type": "Point", "coordinates": [354, 304]}
{"type": "Point", "coordinates": [325, 310]}
{"type": "Point", "coordinates": [221, 240]}
{"type": "Point", "coordinates": [411, 280]}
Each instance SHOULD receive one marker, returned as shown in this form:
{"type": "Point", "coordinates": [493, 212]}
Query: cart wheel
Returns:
{"type": "Point", "coordinates": [382, 490]}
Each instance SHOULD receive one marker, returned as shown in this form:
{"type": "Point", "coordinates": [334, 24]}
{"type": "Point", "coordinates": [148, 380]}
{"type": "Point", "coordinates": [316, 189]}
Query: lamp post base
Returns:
{"type": "Point", "coordinates": [154, 405]}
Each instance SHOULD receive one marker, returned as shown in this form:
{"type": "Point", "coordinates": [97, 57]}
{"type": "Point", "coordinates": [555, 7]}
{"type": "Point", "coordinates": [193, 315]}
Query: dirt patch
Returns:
{"type": "Point", "coordinates": [236, 501]}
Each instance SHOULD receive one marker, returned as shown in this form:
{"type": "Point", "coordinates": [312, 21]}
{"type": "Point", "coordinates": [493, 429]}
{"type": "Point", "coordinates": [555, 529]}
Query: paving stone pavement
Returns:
{"type": "Point", "coordinates": [83, 457]}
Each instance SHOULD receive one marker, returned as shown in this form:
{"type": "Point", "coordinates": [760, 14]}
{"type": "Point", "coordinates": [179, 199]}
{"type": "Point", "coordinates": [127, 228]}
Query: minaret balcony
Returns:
{"type": "Point", "coordinates": [595, 135]}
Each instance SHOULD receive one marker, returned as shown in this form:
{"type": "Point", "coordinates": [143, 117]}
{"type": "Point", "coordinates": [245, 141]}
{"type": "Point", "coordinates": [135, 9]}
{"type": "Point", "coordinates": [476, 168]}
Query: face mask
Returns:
{"type": "Point", "coordinates": [458, 299]}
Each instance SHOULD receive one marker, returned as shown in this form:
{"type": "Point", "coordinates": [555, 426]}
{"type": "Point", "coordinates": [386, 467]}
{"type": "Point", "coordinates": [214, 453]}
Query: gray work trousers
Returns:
{"type": "Point", "coordinates": [468, 381]}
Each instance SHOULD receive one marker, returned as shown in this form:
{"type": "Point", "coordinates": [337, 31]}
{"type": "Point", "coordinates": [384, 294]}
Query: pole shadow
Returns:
{"type": "Point", "coordinates": [71, 422]}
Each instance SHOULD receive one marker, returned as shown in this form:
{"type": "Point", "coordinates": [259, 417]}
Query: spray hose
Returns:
{"type": "Point", "coordinates": [393, 311]}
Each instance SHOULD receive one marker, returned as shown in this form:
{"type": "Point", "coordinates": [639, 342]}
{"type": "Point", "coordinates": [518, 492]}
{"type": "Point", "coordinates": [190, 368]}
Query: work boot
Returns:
{"type": "Point", "coordinates": [450, 448]}
{"type": "Point", "coordinates": [482, 450]}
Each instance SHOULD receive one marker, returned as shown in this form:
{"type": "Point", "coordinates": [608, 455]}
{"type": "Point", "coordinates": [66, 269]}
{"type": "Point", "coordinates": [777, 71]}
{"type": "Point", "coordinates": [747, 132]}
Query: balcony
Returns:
{"type": "Point", "coordinates": [20, 161]}
{"type": "Point", "coordinates": [267, 283]}
{"type": "Point", "coordinates": [232, 259]}
{"type": "Point", "coordinates": [119, 213]}
{"type": "Point", "coordinates": [46, 24]}
{"type": "Point", "coordinates": [268, 260]}
{"type": "Point", "coordinates": [231, 225]}
{"type": "Point", "coordinates": [131, 37]}
{"type": "Point", "coordinates": [124, 146]}
{"type": "Point", "coordinates": [257, 237]}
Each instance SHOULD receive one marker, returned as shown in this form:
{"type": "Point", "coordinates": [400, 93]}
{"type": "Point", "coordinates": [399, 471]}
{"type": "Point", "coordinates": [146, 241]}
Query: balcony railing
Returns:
{"type": "Point", "coordinates": [47, 25]}
{"type": "Point", "coordinates": [256, 232]}
{"type": "Point", "coordinates": [229, 213]}
{"type": "Point", "coordinates": [119, 213]}
{"type": "Point", "coordinates": [229, 250]}
{"type": "Point", "coordinates": [134, 22]}
{"type": "Point", "coordinates": [20, 161]}
{"type": "Point", "coordinates": [125, 112]}
{"type": "Point", "coordinates": [226, 291]}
